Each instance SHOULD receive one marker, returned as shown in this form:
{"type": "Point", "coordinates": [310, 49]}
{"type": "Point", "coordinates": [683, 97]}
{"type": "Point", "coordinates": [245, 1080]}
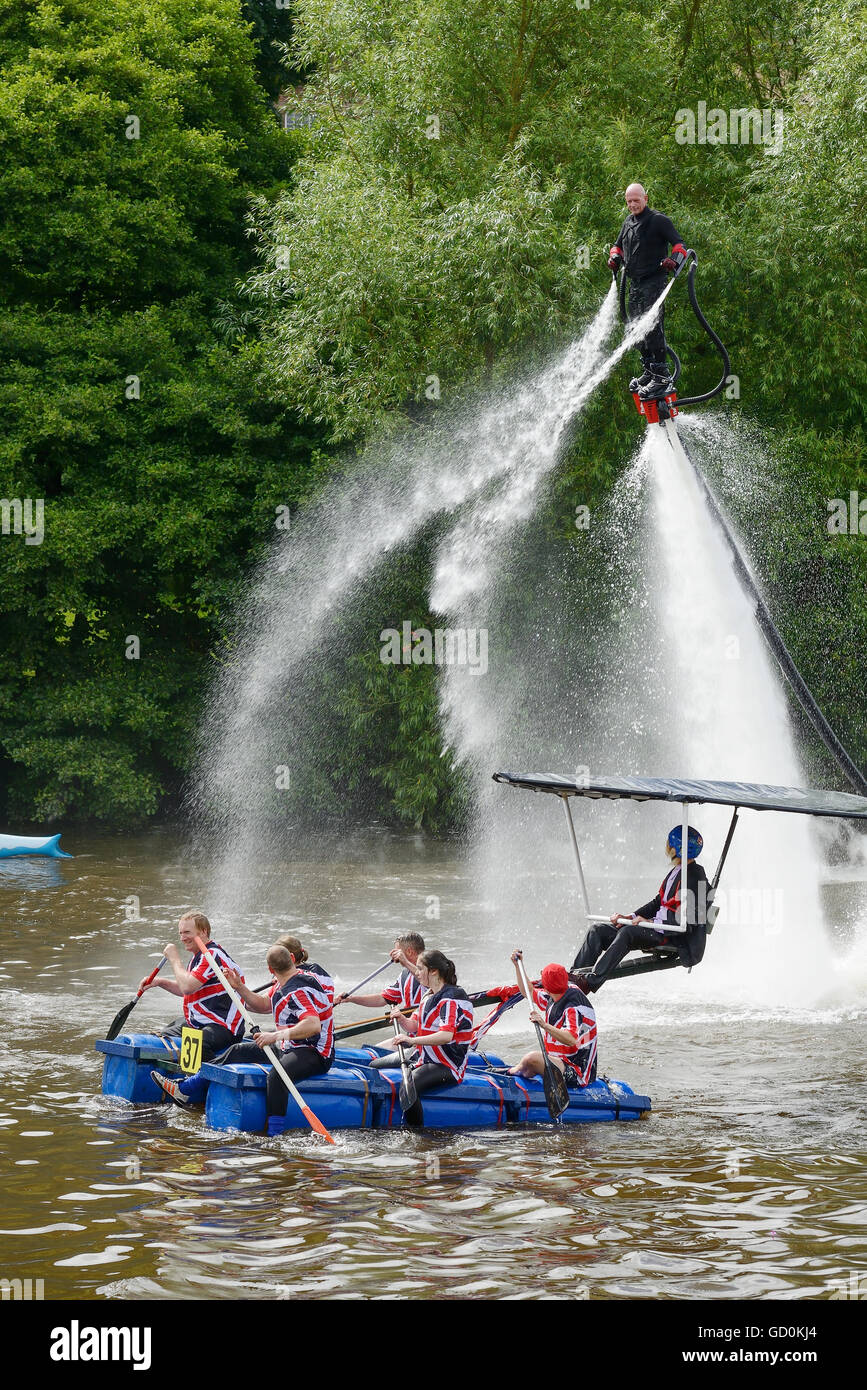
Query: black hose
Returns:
{"type": "Point", "coordinates": [717, 341]}
{"type": "Point", "coordinates": [772, 636]}
{"type": "Point", "coordinates": [620, 282]}
{"type": "Point", "coordinates": [691, 261]}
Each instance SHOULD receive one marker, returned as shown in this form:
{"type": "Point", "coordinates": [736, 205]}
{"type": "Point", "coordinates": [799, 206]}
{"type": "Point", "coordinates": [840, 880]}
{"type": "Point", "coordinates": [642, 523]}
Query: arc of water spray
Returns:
{"type": "Point", "coordinates": [343, 538]}
{"type": "Point", "coordinates": [471, 556]}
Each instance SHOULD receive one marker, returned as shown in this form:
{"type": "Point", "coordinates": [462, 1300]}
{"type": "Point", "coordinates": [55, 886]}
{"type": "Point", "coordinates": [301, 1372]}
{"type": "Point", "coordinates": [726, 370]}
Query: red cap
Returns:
{"type": "Point", "coordinates": [554, 979]}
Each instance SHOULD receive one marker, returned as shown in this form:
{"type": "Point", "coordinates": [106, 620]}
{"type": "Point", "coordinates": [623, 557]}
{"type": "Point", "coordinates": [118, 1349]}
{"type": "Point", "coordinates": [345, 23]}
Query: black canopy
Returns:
{"type": "Point", "coordinates": [753, 795]}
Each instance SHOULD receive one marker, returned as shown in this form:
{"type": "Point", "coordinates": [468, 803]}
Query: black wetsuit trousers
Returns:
{"type": "Point", "coordinates": [426, 1076]}
{"type": "Point", "coordinates": [643, 293]}
{"type": "Point", "coordinates": [430, 1075]}
{"type": "Point", "coordinates": [615, 942]}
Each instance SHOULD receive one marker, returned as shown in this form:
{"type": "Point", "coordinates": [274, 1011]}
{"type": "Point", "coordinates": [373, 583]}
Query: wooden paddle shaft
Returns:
{"type": "Point", "coordinates": [528, 995]}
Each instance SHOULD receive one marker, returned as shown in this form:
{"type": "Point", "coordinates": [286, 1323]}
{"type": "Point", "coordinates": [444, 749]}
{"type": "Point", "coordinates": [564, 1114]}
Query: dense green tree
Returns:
{"type": "Point", "coordinates": [442, 220]}
{"type": "Point", "coordinates": [159, 465]}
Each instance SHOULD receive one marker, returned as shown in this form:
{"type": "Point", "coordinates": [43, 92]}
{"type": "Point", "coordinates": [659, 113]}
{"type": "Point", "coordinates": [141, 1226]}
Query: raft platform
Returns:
{"type": "Point", "coordinates": [354, 1095]}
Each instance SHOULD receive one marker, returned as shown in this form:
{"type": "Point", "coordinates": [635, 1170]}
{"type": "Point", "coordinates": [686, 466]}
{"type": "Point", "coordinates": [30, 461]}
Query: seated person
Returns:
{"type": "Point", "coordinates": [295, 949]}
{"type": "Point", "coordinates": [647, 926]}
{"type": "Point", "coordinates": [568, 1020]}
{"type": "Point", "coordinates": [206, 1003]}
{"type": "Point", "coordinates": [441, 1030]}
{"type": "Point", "coordinates": [405, 993]}
{"type": "Point", "coordinates": [304, 1031]}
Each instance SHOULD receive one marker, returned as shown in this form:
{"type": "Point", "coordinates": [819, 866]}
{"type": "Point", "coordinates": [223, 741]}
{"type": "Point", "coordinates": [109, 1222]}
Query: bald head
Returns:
{"type": "Point", "coordinates": [636, 198]}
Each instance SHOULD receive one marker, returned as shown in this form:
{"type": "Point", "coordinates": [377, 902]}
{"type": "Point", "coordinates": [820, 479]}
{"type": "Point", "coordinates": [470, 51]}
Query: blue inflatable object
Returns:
{"type": "Point", "coordinates": [481, 1101]}
{"type": "Point", "coordinates": [47, 845]}
{"type": "Point", "coordinates": [354, 1095]}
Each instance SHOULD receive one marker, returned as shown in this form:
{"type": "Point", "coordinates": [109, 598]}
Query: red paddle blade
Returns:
{"type": "Point", "coordinates": [315, 1123]}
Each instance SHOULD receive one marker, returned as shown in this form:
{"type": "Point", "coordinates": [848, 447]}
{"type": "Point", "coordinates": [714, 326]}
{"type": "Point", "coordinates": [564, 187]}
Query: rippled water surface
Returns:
{"type": "Point", "coordinates": [747, 1181]}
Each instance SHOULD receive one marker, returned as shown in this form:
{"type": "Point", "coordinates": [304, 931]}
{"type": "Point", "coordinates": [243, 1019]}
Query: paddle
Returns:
{"type": "Point", "coordinates": [123, 1014]}
{"type": "Point", "coordinates": [368, 1025]}
{"type": "Point", "coordinates": [553, 1080]}
{"type": "Point", "coordinates": [299, 1100]}
{"type": "Point", "coordinates": [344, 994]}
{"type": "Point", "coordinates": [409, 1101]}
{"type": "Point", "coordinates": [373, 1025]}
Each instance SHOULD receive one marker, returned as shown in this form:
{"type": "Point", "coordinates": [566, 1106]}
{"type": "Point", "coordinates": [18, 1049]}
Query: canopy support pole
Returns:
{"type": "Point", "coordinates": [684, 870]}
{"type": "Point", "coordinates": [568, 811]}
{"type": "Point", "coordinates": [725, 850]}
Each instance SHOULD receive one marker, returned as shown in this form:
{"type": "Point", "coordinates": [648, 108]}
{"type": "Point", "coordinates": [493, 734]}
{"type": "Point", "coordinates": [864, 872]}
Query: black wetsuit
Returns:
{"type": "Point", "coordinates": [644, 240]}
{"type": "Point", "coordinates": [615, 942]}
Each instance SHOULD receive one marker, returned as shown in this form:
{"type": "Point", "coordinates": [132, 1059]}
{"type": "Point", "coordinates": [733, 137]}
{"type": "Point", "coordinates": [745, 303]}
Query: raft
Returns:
{"type": "Point", "coordinates": [354, 1095]}
{"type": "Point", "coordinates": [46, 845]}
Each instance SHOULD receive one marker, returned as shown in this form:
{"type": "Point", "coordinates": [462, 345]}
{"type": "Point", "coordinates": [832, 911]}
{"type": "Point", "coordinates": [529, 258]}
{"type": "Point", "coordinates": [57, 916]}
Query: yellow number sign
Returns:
{"type": "Point", "coordinates": [191, 1049]}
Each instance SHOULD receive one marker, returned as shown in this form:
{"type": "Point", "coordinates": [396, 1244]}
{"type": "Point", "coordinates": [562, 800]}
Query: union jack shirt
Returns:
{"type": "Point", "coordinates": [574, 1013]}
{"type": "Point", "coordinates": [311, 968]}
{"type": "Point", "coordinates": [211, 1003]}
{"type": "Point", "coordinates": [406, 991]}
{"type": "Point", "coordinates": [449, 1009]}
{"type": "Point", "coordinates": [304, 996]}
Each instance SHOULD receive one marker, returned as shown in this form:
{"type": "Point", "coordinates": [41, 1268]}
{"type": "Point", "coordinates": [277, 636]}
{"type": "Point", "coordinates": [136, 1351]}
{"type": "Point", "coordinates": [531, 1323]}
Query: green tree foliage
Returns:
{"type": "Point", "coordinates": [271, 21]}
{"type": "Point", "coordinates": [397, 255]}
{"type": "Point", "coordinates": [424, 235]}
{"type": "Point", "coordinates": [159, 464]}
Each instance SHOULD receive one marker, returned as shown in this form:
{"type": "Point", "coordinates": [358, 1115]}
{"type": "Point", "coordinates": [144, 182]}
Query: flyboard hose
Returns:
{"type": "Point", "coordinates": [772, 636]}
{"type": "Point", "coordinates": [766, 623]}
{"type": "Point", "coordinates": [691, 261]}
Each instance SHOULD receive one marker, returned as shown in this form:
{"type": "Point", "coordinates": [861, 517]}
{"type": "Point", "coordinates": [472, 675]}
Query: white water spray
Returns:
{"type": "Point", "coordinates": [688, 688]}
{"type": "Point", "coordinates": [392, 494]}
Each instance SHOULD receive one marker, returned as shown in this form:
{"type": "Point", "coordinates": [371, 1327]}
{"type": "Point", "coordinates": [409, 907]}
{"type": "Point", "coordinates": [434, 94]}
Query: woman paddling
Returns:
{"type": "Point", "coordinates": [441, 1030]}
{"type": "Point", "coordinates": [295, 949]}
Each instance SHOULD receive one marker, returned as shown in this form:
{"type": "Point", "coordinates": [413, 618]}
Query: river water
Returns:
{"type": "Point", "coordinates": [747, 1181]}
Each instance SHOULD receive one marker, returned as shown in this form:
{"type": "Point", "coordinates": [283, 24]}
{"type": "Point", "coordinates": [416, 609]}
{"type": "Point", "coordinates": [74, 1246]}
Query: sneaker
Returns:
{"type": "Point", "coordinates": [171, 1088]}
{"type": "Point", "coordinates": [638, 381]}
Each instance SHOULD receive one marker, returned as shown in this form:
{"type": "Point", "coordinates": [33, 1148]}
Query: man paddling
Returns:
{"type": "Point", "coordinates": [406, 990]}
{"type": "Point", "coordinates": [405, 993]}
{"type": "Point", "coordinates": [647, 925]}
{"type": "Point", "coordinates": [303, 1029]}
{"type": "Point", "coordinates": [206, 1003]}
{"type": "Point", "coordinates": [641, 250]}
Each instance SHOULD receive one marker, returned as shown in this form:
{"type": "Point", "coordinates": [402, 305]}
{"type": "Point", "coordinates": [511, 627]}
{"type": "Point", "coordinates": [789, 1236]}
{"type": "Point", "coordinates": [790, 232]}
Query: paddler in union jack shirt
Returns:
{"type": "Point", "coordinates": [304, 1031]}
{"type": "Point", "coordinates": [568, 1020]}
{"type": "Point", "coordinates": [206, 1003]}
{"type": "Point", "coordinates": [441, 1031]}
{"type": "Point", "coordinates": [406, 992]}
